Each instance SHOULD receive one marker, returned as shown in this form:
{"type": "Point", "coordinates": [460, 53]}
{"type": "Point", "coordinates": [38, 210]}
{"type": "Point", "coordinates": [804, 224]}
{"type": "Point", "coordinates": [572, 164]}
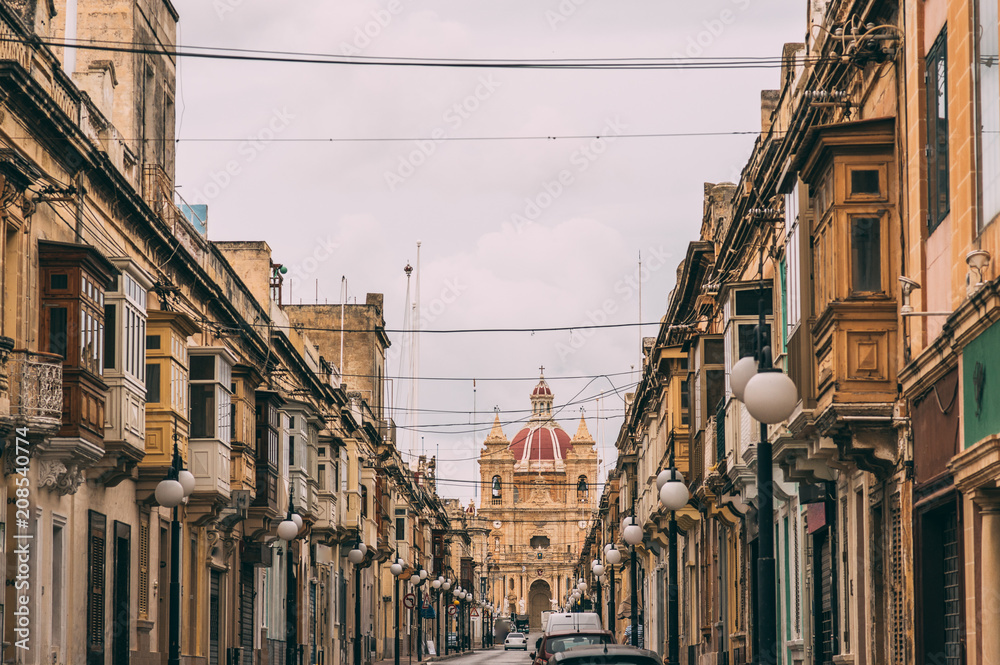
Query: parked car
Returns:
{"type": "Point", "coordinates": [605, 654]}
{"type": "Point", "coordinates": [575, 622]}
{"type": "Point", "coordinates": [549, 645]}
{"type": "Point", "coordinates": [516, 641]}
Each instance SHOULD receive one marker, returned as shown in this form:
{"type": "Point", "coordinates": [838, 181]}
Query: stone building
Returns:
{"type": "Point", "coordinates": [538, 497]}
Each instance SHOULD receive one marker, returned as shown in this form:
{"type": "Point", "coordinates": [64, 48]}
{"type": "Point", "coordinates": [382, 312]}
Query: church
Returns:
{"type": "Point", "coordinates": [538, 496]}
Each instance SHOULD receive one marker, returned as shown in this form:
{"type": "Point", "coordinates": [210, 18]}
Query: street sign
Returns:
{"type": "Point", "coordinates": [409, 601]}
{"type": "Point", "coordinates": [452, 610]}
{"type": "Point", "coordinates": [475, 612]}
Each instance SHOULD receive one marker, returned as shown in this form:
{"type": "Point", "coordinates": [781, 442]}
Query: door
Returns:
{"type": "Point", "coordinates": [825, 602]}
{"type": "Point", "coordinates": [121, 613]}
{"type": "Point", "coordinates": [939, 638]}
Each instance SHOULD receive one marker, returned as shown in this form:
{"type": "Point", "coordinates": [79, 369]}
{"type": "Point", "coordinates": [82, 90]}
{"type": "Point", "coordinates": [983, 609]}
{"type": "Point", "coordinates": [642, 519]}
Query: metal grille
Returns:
{"type": "Point", "coordinates": [213, 619]}
{"type": "Point", "coordinates": [952, 592]}
{"type": "Point", "coordinates": [143, 599]}
{"type": "Point", "coordinates": [35, 385]}
{"type": "Point", "coordinates": [897, 606]}
{"type": "Point", "coordinates": [276, 652]}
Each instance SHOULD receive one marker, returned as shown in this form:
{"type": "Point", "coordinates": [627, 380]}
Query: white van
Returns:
{"type": "Point", "coordinates": [563, 622]}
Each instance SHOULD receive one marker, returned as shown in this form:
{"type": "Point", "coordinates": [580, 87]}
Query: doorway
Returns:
{"type": "Point", "coordinates": [539, 600]}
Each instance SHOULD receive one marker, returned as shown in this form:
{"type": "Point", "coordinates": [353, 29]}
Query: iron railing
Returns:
{"type": "Point", "coordinates": [36, 384]}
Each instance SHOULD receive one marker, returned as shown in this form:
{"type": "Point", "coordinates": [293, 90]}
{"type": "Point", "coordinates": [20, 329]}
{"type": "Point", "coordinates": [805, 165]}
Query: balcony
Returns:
{"type": "Point", "coordinates": [36, 391]}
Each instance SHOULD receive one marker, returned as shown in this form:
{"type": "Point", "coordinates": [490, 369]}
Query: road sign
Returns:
{"type": "Point", "coordinates": [475, 612]}
{"type": "Point", "coordinates": [409, 601]}
{"type": "Point", "coordinates": [452, 610]}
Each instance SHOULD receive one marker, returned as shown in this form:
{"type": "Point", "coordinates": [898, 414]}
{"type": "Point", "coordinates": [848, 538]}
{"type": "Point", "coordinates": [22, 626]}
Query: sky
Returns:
{"type": "Point", "coordinates": [513, 233]}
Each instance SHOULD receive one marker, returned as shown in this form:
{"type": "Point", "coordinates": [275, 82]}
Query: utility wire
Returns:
{"type": "Point", "coordinates": [438, 331]}
{"type": "Point", "coordinates": [223, 53]}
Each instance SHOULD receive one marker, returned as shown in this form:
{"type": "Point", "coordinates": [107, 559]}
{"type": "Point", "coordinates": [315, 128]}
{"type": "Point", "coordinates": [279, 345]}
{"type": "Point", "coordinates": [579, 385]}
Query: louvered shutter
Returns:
{"type": "Point", "coordinates": [144, 568]}
{"type": "Point", "coordinates": [96, 585]}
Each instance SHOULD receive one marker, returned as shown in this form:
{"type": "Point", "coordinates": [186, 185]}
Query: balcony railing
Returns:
{"type": "Point", "coordinates": [36, 386]}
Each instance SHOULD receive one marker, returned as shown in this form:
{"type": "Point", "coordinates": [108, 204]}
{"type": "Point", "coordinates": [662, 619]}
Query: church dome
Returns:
{"type": "Point", "coordinates": [540, 442]}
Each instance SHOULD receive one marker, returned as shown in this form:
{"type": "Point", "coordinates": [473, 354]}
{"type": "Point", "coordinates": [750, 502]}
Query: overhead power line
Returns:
{"type": "Point", "coordinates": [261, 55]}
{"type": "Point", "coordinates": [446, 331]}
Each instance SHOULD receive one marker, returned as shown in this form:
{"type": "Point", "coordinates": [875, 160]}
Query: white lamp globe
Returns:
{"type": "Point", "coordinates": [169, 493]}
{"type": "Point", "coordinates": [423, 574]}
{"type": "Point", "coordinates": [593, 564]}
{"type": "Point", "coordinates": [187, 481]}
{"type": "Point", "coordinates": [363, 548]}
{"type": "Point", "coordinates": [744, 370]}
{"type": "Point", "coordinates": [297, 519]}
{"type": "Point", "coordinates": [355, 556]}
{"type": "Point", "coordinates": [396, 570]}
{"type": "Point", "coordinates": [598, 570]}
{"type": "Point", "coordinates": [581, 587]}
{"type": "Point", "coordinates": [613, 556]}
{"type": "Point", "coordinates": [626, 521]}
{"type": "Point", "coordinates": [446, 585]}
{"type": "Point", "coordinates": [287, 530]}
{"type": "Point", "coordinates": [607, 547]}
{"type": "Point", "coordinates": [674, 495]}
{"type": "Point", "coordinates": [633, 534]}
{"type": "Point", "coordinates": [436, 584]}
{"type": "Point", "coordinates": [770, 397]}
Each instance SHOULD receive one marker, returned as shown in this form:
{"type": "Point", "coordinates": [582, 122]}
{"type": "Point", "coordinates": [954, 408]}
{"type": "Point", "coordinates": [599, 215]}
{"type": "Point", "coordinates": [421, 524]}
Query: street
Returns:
{"type": "Point", "coordinates": [497, 656]}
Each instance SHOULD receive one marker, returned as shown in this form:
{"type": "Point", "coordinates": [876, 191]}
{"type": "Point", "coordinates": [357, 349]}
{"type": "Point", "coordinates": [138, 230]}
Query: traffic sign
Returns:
{"type": "Point", "coordinates": [452, 610]}
{"type": "Point", "coordinates": [409, 601]}
{"type": "Point", "coordinates": [475, 612]}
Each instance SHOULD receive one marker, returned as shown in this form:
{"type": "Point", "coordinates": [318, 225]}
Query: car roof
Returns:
{"type": "Point", "coordinates": [599, 651]}
{"type": "Point", "coordinates": [588, 631]}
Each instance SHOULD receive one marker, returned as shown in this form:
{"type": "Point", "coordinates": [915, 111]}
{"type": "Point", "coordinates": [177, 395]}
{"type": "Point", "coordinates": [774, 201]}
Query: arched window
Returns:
{"type": "Point", "coordinates": [512, 584]}
{"type": "Point", "coordinates": [496, 487]}
{"type": "Point", "coordinates": [582, 490]}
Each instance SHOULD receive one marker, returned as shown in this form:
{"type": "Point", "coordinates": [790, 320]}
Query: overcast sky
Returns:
{"type": "Point", "coordinates": [515, 233]}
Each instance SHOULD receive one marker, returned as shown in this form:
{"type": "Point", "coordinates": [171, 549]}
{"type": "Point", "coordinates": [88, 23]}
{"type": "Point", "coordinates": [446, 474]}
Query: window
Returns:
{"type": "Point", "coordinates": [988, 93]}
{"type": "Point", "coordinates": [210, 401]}
{"type": "Point", "coordinates": [400, 523]}
{"type": "Point", "coordinates": [321, 476]}
{"type": "Point", "coordinates": [152, 383]}
{"type": "Point", "coordinates": [57, 331]}
{"type": "Point", "coordinates": [152, 341]}
{"type": "Point", "coordinates": [291, 449]}
{"type": "Point", "coordinates": [582, 490]}
{"type": "Point", "coordinates": [938, 198]}
{"type": "Point", "coordinates": [96, 571]}
{"type": "Point", "coordinates": [59, 282]}
{"type": "Point", "coordinates": [685, 403]}
{"type": "Point", "coordinates": [866, 255]}
{"type": "Point", "coordinates": [539, 542]}
{"type": "Point", "coordinates": [865, 181]}
{"type": "Point", "coordinates": [364, 501]}
{"type": "Point", "coordinates": [517, 495]}
{"type": "Point", "coordinates": [56, 602]}
{"type": "Point", "coordinates": [110, 348]}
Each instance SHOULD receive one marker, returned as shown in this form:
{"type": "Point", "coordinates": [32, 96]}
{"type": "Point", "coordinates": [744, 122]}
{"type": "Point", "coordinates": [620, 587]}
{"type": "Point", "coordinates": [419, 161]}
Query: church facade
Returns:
{"type": "Point", "coordinates": [538, 497]}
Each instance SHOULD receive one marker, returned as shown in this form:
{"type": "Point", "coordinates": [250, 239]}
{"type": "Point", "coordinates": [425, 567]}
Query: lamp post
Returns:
{"type": "Point", "coordinates": [674, 496]}
{"type": "Point", "coordinates": [613, 557]}
{"type": "Point", "coordinates": [288, 530]}
{"type": "Point", "coordinates": [357, 557]}
{"type": "Point", "coordinates": [436, 585]}
{"type": "Point", "coordinates": [421, 578]}
{"type": "Point", "coordinates": [632, 535]}
{"type": "Point", "coordinates": [169, 493]}
{"type": "Point", "coordinates": [770, 397]}
{"type": "Point", "coordinates": [446, 586]}
{"type": "Point", "coordinates": [396, 569]}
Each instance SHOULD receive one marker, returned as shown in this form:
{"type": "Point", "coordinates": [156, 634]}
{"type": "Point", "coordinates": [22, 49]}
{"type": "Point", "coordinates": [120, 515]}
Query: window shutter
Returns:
{"type": "Point", "coordinates": [143, 567]}
{"type": "Point", "coordinates": [897, 614]}
{"type": "Point", "coordinates": [98, 531]}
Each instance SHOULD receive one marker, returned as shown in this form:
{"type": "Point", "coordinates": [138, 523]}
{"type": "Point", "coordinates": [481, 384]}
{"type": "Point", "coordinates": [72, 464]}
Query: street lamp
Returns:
{"type": "Point", "coordinates": [357, 557]}
{"type": "Point", "coordinates": [446, 586]}
{"type": "Point", "coordinates": [169, 493]}
{"type": "Point", "coordinates": [632, 535]}
{"type": "Point", "coordinates": [397, 569]}
{"type": "Point", "coordinates": [613, 557]}
{"type": "Point", "coordinates": [770, 397]}
{"type": "Point", "coordinates": [674, 496]}
{"type": "Point", "coordinates": [288, 530]}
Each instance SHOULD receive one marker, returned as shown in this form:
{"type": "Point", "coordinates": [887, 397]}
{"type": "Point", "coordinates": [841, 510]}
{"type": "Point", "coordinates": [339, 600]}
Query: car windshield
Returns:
{"type": "Point", "coordinates": [516, 635]}
{"type": "Point", "coordinates": [559, 644]}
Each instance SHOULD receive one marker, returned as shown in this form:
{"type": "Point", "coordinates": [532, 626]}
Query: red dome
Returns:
{"type": "Point", "coordinates": [540, 443]}
{"type": "Point", "coordinates": [541, 389]}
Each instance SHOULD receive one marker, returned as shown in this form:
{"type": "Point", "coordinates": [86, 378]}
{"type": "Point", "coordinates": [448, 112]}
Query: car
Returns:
{"type": "Point", "coordinates": [516, 641]}
{"type": "Point", "coordinates": [606, 654]}
{"type": "Point", "coordinates": [549, 645]}
{"type": "Point", "coordinates": [573, 622]}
